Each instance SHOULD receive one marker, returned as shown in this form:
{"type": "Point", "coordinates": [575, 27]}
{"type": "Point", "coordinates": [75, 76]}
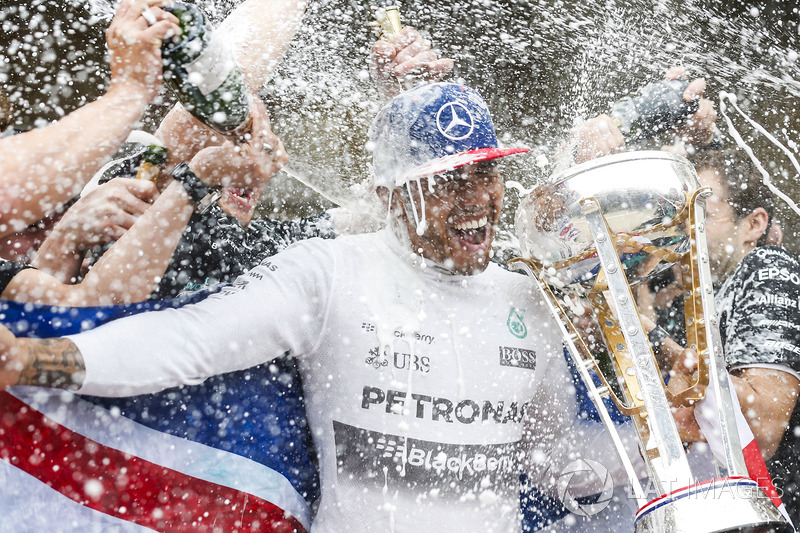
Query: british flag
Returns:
{"type": "Point", "coordinates": [230, 454]}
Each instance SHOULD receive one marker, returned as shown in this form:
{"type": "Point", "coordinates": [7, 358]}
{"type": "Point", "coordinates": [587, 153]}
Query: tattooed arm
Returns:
{"type": "Point", "coordinates": [54, 363]}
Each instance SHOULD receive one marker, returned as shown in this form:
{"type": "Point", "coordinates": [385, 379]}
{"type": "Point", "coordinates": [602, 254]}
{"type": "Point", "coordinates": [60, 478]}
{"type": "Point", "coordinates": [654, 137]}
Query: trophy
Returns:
{"type": "Point", "coordinates": [586, 236]}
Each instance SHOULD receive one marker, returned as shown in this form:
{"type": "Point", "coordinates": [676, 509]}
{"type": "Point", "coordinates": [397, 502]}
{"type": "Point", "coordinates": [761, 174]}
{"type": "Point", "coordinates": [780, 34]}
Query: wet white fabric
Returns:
{"type": "Point", "coordinates": [415, 381]}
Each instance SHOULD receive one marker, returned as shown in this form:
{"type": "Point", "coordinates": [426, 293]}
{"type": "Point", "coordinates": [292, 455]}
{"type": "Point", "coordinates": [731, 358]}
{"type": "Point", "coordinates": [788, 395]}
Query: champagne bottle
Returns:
{"type": "Point", "coordinates": [656, 108]}
{"type": "Point", "coordinates": [201, 72]}
{"type": "Point", "coordinates": [387, 26]}
{"type": "Point", "coordinates": [153, 160]}
{"type": "Point", "coordinates": [141, 156]}
{"type": "Point", "coordinates": [387, 23]}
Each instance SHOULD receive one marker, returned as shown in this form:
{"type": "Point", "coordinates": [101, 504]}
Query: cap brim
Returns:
{"type": "Point", "coordinates": [454, 161]}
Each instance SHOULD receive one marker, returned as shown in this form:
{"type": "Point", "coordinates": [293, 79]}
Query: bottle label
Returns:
{"type": "Point", "coordinates": [212, 67]}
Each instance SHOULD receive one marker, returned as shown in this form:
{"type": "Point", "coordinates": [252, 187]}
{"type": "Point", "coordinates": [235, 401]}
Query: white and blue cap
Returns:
{"type": "Point", "coordinates": [432, 129]}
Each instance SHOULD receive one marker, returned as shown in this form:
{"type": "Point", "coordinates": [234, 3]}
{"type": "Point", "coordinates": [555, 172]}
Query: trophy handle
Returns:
{"type": "Point", "coordinates": [628, 406]}
{"type": "Point", "coordinates": [704, 334]}
{"type": "Point", "coordinates": [584, 363]}
{"type": "Point", "coordinates": [664, 449]}
{"type": "Point", "coordinates": [693, 311]}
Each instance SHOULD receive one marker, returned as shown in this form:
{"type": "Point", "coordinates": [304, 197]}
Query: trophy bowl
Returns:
{"type": "Point", "coordinates": [644, 197]}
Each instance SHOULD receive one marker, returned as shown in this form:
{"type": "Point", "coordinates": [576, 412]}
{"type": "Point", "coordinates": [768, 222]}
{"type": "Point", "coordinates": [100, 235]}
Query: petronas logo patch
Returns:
{"type": "Point", "coordinates": [515, 324]}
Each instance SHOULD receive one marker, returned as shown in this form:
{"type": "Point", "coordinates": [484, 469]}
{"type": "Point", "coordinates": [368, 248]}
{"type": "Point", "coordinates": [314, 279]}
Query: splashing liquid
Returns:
{"type": "Point", "coordinates": [767, 180]}
{"type": "Point", "coordinates": [387, 505]}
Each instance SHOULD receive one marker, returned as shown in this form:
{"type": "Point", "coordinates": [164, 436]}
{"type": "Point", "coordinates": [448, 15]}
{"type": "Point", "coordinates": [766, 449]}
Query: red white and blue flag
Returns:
{"type": "Point", "coordinates": [706, 414]}
{"type": "Point", "coordinates": [228, 455]}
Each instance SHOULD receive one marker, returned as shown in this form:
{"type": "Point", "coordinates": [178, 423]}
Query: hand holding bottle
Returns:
{"type": "Point", "coordinates": [245, 164]}
{"type": "Point", "coordinates": [405, 60]}
{"type": "Point", "coordinates": [673, 104]}
{"type": "Point", "coordinates": [135, 46]}
{"type": "Point", "coordinates": [106, 213]}
{"type": "Point", "coordinates": [700, 128]}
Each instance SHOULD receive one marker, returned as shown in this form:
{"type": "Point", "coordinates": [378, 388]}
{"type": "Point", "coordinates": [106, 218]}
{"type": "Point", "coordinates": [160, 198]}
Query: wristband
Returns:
{"type": "Point", "coordinates": [657, 336]}
{"type": "Point", "coordinates": [201, 194]}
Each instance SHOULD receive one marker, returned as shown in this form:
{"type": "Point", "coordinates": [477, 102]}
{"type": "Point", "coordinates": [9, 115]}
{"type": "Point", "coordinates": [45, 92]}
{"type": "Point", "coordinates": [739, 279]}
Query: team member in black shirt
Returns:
{"type": "Point", "coordinates": [758, 300]}
{"type": "Point", "coordinates": [757, 297]}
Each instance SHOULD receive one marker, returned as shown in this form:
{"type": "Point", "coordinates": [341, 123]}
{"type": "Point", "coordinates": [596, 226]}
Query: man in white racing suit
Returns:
{"type": "Point", "coordinates": [431, 376]}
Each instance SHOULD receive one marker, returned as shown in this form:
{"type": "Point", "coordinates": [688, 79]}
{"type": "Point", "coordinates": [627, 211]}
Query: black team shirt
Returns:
{"type": "Point", "coordinates": [215, 248]}
{"type": "Point", "coordinates": [759, 306]}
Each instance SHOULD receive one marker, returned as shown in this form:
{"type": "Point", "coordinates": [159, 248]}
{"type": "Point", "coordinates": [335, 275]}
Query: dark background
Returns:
{"type": "Point", "coordinates": [541, 65]}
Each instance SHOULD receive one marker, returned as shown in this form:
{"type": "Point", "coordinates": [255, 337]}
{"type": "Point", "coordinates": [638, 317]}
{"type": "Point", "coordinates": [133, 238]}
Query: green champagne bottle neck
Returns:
{"type": "Point", "coordinates": [656, 108]}
{"type": "Point", "coordinates": [201, 72]}
{"type": "Point", "coordinates": [156, 155]}
{"type": "Point", "coordinates": [152, 163]}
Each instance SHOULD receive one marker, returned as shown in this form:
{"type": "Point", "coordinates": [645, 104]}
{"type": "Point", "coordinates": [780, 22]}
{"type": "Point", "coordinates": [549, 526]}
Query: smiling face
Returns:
{"type": "Point", "coordinates": [456, 216]}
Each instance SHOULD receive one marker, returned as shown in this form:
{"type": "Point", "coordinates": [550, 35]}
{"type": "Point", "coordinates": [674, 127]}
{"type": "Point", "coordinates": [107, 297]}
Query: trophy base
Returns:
{"type": "Point", "coordinates": [717, 506]}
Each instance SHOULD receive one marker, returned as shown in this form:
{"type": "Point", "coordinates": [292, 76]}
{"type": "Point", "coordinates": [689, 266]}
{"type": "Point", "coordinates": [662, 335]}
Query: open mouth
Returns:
{"type": "Point", "coordinates": [244, 197]}
{"type": "Point", "coordinates": [472, 232]}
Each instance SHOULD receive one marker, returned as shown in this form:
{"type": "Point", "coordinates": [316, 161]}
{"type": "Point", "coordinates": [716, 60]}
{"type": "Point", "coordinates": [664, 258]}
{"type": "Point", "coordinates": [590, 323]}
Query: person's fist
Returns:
{"type": "Point", "coordinates": [405, 60]}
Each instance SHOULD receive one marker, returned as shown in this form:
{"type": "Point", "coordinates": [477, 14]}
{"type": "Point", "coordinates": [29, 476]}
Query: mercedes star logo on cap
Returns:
{"type": "Point", "coordinates": [457, 120]}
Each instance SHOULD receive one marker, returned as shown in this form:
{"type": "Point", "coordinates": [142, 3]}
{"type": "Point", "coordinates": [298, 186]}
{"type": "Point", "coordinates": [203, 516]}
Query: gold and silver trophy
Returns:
{"type": "Point", "coordinates": [585, 237]}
